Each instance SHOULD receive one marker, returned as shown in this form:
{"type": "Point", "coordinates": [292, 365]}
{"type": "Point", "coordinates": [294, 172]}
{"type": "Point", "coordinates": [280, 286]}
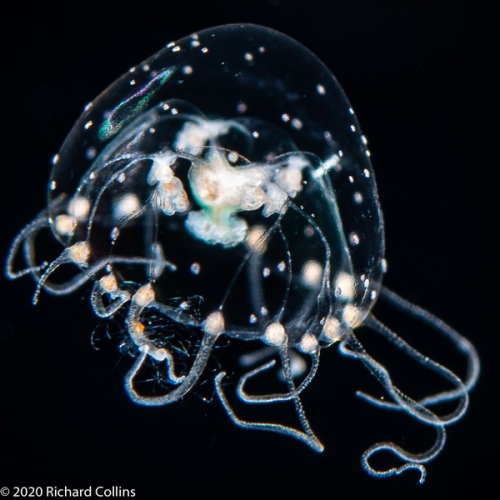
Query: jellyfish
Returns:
{"type": "Point", "coordinates": [223, 189]}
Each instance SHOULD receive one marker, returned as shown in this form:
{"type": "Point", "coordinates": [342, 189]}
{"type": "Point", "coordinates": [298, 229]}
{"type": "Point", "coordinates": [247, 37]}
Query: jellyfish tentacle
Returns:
{"type": "Point", "coordinates": [307, 435]}
{"type": "Point", "coordinates": [26, 238]}
{"type": "Point", "coordinates": [299, 408]}
{"type": "Point", "coordinates": [77, 253]}
{"type": "Point", "coordinates": [213, 326]}
{"type": "Point", "coordinates": [41, 272]}
{"type": "Point", "coordinates": [404, 402]}
{"type": "Point", "coordinates": [271, 398]}
{"type": "Point", "coordinates": [310, 439]}
{"type": "Point", "coordinates": [28, 233]}
{"type": "Point", "coordinates": [410, 406]}
{"type": "Point", "coordinates": [316, 297]}
{"type": "Point", "coordinates": [462, 344]}
{"type": "Point", "coordinates": [460, 392]}
{"type": "Point", "coordinates": [87, 273]}
{"type": "Point", "coordinates": [159, 355]}
{"type": "Point", "coordinates": [107, 285]}
{"type": "Point", "coordinates": [186, 382]}
{"type": "Point", "coordinates": [414, 461]}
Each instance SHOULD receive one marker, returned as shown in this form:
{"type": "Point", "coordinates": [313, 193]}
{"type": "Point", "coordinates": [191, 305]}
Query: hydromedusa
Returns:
{"type": "Point", "coordinates": [223, 189]}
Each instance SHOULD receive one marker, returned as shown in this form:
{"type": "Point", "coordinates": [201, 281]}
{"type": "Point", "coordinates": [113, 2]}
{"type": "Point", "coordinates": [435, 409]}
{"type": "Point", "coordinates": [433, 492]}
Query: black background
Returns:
{"type": "Point", "coordinates": [421, 77]}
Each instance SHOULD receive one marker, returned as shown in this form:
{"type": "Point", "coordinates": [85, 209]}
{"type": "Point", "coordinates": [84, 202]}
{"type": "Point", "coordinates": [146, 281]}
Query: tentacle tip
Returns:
{"type": "Point", "coordinates": [423, 475]}
{"type": "Point", "coordinates": [419, 467]}
{"type": "Point", "coordinates": [318, 447]}
{"type": "Point", "coordinates": [34, 300]}
{"type": "Point", "coordinates": [365, 397]}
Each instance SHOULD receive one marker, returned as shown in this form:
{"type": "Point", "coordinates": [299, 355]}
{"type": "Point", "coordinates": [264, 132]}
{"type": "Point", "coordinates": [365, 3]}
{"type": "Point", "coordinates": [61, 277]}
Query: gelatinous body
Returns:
{"type": "Point", "coordinates": [224, 186]}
